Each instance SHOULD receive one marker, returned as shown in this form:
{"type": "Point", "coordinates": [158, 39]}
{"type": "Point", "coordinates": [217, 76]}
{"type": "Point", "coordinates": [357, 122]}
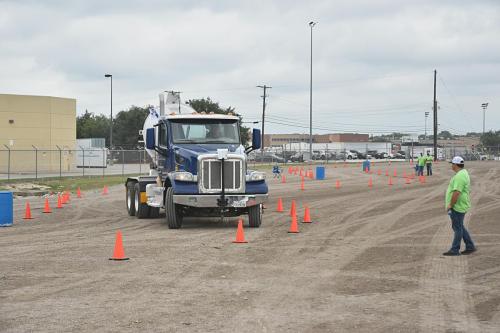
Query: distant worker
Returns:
{"type": "Point", "coordinates": [428, 163]}
{"type": "Point", "coordinates": [421, 163]}
{"type": "Point", "coordinates": [457, 204]}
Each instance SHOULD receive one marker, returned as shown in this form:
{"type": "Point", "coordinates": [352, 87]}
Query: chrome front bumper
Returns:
{"type": "Point", "coordinates": [210, 200]}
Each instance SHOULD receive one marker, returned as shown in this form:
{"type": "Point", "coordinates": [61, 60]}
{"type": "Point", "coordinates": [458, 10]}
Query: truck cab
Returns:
{"type": "Point", "coordinates": [199, 169]}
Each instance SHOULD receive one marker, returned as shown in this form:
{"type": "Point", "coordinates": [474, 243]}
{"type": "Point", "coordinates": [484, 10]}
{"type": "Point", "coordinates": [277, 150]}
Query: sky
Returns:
{"type": "Point", "coordinates": [373, 62]}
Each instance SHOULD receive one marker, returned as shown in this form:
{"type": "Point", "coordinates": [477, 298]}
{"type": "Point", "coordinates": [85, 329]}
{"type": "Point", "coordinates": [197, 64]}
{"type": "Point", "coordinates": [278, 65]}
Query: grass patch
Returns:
{"type": "Point", "coordinates": [70, 183]}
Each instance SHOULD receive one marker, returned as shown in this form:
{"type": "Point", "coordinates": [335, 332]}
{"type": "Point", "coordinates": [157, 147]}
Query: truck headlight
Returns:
{"type": "Point", "coordinates": [256, 176]}
{"type": "Point", "coordinates": [184, 176]}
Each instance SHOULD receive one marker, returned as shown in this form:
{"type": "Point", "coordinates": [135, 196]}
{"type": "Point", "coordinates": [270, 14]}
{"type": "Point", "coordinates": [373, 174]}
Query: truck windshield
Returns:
{"type": "Point", "coordinates": [205, 131]}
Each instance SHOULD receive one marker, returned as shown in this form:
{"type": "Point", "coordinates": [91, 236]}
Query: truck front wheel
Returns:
{"type": "Point", "coordinates": [173, 213]}
{"type": "Point", "coordinates": [130, 199]}
{"type": "Point", "coordinates": [255, 216]}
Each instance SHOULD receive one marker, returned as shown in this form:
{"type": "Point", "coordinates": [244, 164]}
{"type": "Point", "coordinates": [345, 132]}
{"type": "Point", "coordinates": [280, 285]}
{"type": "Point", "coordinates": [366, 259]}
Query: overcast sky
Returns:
{"type": "Point", "coordinates": [373, 61]}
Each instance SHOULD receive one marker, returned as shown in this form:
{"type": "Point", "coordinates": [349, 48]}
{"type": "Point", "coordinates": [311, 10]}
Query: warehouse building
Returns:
{"type": "Point", "coordinates": [34, 128]}
{"type": "Point", "coordinates": [277, 140]}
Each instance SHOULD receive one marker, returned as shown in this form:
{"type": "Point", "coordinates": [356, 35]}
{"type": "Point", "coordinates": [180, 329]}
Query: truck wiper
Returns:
{"type": "Point", "coordinates": [185, 141]}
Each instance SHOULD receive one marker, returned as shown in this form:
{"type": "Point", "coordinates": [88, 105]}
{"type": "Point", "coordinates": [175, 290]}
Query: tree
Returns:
{"type": "Point", "coordinates": [90, 125]}
{"type": "Point", "coordinates": [207, 105]}
{"type": "Point", "coordinates": [490, 139]}
{"type": "Point", "coordinates": [126, 125]}
{"type": "Point", "coordinates": [445, 135]}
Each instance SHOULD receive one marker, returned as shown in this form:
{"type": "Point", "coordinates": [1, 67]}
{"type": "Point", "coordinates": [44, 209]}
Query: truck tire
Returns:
{"type": "Point", "coordinates": [173, 214]}
{"type": "Point", "coordinates": [154, 212]}
{"type": "Point", "coordinates": [141, 209]}
{"type": "Point", "coordinates": [255, 216]}
{"type": "Point", "coordinates": [130, 199]}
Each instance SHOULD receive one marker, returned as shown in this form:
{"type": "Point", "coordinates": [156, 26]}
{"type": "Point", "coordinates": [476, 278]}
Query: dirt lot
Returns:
{"type": "Point", "coordinates": [370, 262]}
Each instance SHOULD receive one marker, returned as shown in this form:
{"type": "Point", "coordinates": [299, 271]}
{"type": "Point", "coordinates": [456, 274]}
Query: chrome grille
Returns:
{"type": "Point", "coordinates": [210, 180]}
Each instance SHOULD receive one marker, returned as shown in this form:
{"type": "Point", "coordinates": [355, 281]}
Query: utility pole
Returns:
{"type": "Point", "coordinates": [484, 106]}
{"type": "Point", "coordinates": [264, 87]}
{"type": "Point", "coordinates": [435, 118]}
{"type": "Point", "coordinates": [311, 24]}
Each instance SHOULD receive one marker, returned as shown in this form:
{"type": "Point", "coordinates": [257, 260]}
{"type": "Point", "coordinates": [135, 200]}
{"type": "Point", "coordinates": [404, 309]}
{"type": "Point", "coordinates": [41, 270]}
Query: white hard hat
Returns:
{"type": "Point", "coordinates": [457, 160]}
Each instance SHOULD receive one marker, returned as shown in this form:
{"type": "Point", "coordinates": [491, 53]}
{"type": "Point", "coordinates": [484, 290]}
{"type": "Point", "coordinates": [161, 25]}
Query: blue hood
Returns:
{"type": "Point", "coordinates": [190, 153]}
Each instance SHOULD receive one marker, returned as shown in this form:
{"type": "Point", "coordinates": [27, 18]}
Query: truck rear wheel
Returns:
{"type": "Point", "coordinates": [173, 213]}
{"type": "Point", "coordinates": [255, 216]}
{"type": "Point", "coordinates": [141, 209]}
{"type": "Point", "coordinates": [130, 199]}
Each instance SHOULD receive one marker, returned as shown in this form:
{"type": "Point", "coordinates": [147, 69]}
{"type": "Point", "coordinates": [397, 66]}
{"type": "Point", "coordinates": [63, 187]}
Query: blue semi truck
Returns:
{"type": "Point", "coordinates": [198, 169]}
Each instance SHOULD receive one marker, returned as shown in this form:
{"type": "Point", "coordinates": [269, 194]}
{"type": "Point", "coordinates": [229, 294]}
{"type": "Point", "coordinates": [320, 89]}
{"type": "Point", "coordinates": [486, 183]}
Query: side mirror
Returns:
{"type": "Point", "coordinates": [256, 139]}
{"type": "Point", "coordinates": [150, 138]}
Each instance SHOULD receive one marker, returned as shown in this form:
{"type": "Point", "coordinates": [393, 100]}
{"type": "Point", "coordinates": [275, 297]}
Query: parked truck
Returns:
{"type": "Point", "coordinates": [199, 168]}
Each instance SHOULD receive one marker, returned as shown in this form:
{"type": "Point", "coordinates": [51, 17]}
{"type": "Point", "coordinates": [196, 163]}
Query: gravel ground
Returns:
{"type": "Point", "coordinates": [370, 262]}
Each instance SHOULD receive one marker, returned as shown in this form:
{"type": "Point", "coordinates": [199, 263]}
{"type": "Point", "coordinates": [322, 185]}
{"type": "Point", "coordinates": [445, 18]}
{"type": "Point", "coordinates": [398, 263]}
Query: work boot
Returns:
{"type": "Point", "coordinates": [450, 253]}
{"type": "Point", "coordinates": [469, 251]}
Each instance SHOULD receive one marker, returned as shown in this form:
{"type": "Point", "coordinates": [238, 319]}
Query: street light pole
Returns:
{"type": "Point", "coordinates": [311, 24]}
{"type": "Point", "coordinates": [111, 116]}
{"type": "Point", "coordinates": [484, 106]}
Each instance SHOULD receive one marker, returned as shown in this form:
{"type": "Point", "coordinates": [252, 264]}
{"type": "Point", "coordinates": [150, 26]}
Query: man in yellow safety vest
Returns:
{"type": "Point", "coordinates": [428, 163]}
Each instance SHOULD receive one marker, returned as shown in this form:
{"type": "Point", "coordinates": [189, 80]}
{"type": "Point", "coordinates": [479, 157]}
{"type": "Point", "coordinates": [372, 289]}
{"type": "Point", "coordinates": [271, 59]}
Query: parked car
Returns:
{"type": "Point", "coordinates": [351, 154]}
{"type": "Point", "coordinates": [297, 157]}
{"type": "Point", "coordinates": [382, 155]}
{"type": "Point", "coordinates": [316, 155]}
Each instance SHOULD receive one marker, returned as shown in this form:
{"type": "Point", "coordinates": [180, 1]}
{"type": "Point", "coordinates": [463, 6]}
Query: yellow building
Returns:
{"type": "Point", "coordinates": [41, 122]}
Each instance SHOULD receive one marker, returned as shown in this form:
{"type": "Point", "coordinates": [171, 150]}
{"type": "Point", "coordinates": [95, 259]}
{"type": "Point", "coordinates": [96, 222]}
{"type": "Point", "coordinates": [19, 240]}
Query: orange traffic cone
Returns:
{"type": "Point", "coordinates": [301, 174]}
{"type": "Point", "coordinates": [395, 172]}
{"type": "Point", "coordinates": [64, 198]}
{"type": "Point", "coordinates": [46, 209]}
{"type": "Point", "coordinates": [302, 185]}
{"type": "Point", "coordinates": [119, 253]}
{"type": "Point", "coordinates": [307, 216]}
{"type": "Point", "coordinates": [311, 175]}
{"type": "Point", "coordinates": [59, 202]}
{"type": "Point", "coordinates": [78, 193]}
{"type": "Point", "coordinates": [293, 211]}
{"type": "Point", "coordinates": [404, 174]}
{"type": "Point", "coordinates": [105, 190]}
{"type": "Point", "coordinates": [390, 180]}
{"type": "Point", "coordinates": [27, 214]}
{"type": "Point", "coordinates": [337, 184]}
{"type": "Point", "coordinates": [280, 206]}
{"type": "Point", "coordinates": [290, 170]}
{"type": "Point", "coordinates": [240, 236]}
{"type": "Point", "coordinates": [283, 179]}
{"type": "Point", "coordinates": [387, 172]}
{"type": "Point", "coordinates": [370, 182]}
{"type": "Point", "coordinates": [294, 228]}
{"type": "Point", "coordinates": [408, 180]}
{"type": "Point", "coordinates": [379, 172]}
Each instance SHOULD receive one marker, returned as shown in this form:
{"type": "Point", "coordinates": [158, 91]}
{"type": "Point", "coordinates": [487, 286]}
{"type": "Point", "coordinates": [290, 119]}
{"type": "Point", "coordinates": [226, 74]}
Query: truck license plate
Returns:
{"type": "Point", "coordinates": [240, 203]}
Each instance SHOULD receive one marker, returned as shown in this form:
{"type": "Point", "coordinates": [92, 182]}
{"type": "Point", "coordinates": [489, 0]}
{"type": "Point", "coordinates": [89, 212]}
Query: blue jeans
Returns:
{"type": "Point", "coordinates": [457, 223]}
{"type": "Point", "coordinates": [429, 169]}
{"type": "Point", "coordinates": [420, 170]}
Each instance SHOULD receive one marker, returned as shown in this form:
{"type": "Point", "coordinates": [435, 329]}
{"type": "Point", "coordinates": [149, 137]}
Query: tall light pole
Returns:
{"type": "Point", "coordinates": [111, 117]}
{"type": "Point", "coordinates": [311, 25]}
{"type": "Point", "coordinates": [426, 115]}
{"type": "Point", "coordinates": [484, 106]}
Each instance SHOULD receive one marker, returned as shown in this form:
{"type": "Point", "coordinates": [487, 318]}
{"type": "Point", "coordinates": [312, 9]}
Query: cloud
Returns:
{"type": "Point", "coordinates": [366, 55]}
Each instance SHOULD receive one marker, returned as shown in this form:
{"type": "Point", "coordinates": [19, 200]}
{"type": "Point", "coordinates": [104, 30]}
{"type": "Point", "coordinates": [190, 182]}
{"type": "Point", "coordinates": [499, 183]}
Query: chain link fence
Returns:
{"type": "Point", "coordinates": [40, 163]}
